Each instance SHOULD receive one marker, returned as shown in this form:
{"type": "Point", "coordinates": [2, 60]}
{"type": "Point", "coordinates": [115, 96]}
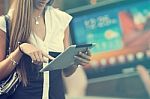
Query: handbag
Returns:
{"type": "Point", "coordinates": [10, 83]}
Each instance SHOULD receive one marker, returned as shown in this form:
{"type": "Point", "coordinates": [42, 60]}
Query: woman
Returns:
{"type": "Point", "coordinates": [42, 30]}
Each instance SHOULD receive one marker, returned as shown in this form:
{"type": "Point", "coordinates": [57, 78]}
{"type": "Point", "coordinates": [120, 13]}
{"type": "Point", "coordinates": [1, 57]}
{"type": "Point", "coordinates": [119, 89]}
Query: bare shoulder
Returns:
{"type": "Point", "coordinates": [2, 45]}
{"type": "Point", "coordinates": [2, 37]}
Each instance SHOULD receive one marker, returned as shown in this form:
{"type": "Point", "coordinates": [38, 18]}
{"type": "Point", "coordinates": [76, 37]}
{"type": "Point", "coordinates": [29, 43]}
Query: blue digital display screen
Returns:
{"type": "Point", "coordinates": [121, 33]}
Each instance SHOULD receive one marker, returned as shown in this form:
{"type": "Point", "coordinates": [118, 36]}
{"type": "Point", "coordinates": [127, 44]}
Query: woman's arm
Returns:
{"type": "Point", "coordinates": [70, 70]}
{"type": "Point", "coordinates": [7, 64]}
{"type": "Point", "coordinates": [82, 58]}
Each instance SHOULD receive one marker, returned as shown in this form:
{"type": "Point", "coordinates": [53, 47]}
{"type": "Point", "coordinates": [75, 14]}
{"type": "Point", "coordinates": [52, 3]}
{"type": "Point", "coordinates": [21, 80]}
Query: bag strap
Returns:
{"type": "Point", "coordinates": [7, 34]}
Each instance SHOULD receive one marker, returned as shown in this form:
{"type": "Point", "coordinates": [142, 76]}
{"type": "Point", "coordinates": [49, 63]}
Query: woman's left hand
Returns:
{"type": "Point", "coordinates": [82, 58]}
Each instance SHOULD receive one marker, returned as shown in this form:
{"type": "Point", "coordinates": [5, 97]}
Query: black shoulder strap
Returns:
{"type": "Point", "coordinates": [7, 34]}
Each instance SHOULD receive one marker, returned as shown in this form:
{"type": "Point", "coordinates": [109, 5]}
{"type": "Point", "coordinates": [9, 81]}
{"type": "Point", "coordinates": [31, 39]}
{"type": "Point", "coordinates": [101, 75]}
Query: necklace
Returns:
{"type": "Point", "coordinates": [36, 20]}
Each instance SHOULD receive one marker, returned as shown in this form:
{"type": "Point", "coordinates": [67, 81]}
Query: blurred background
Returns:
{"type": "Point", "coordinates": [121, 31]}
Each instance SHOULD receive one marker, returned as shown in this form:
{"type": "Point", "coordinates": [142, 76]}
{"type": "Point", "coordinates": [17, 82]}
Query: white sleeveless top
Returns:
{"type": "Point", "coordinates": [56, 22]}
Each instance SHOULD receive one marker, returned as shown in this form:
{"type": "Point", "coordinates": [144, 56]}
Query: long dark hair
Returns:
{"type": "Point", "coordinates": [20, 30]}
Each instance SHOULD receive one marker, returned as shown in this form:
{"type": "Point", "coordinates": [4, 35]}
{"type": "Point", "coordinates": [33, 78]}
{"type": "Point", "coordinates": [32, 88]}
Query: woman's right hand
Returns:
{"type": "Point", "coordinates": [36, 54]}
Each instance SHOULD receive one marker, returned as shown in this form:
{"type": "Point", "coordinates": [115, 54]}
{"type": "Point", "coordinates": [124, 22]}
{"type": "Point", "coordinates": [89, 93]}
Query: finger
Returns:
{"type": "Point", "coordinates": [35, 58]}
{"type": "Point", "coordinates": [40, 56]}
{"type": "Point", "coordinates": [32, 57]}
{"type": "Point", "coordinates": [85, 56]}
{"type": "Point", "coordinates": [47, 56]}
{"type": "Point", "coordinates": [36, 54]}
{"type": "Point", "coordinates": [83, 64]}
{"type": "Point", "coordinates": [88, 52]}
{"type": "Point", "coordinates": [80, 60]}
{"type": "Point", "coordinates": [45, 60]}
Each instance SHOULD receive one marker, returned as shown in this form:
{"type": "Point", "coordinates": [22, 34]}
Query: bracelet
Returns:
{"type": "Point", "coordinates": [19, 43]}
{"type": "Point", "coordinates": [13, 61]}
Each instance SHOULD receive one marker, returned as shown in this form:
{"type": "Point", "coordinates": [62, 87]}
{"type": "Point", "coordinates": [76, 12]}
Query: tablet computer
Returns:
{"type": "Point", "coordinates": [66, 58]}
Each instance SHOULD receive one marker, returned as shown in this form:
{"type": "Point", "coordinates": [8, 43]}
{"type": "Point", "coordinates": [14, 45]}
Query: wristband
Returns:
{"type": "Point", "coordinates": [19, 43]}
